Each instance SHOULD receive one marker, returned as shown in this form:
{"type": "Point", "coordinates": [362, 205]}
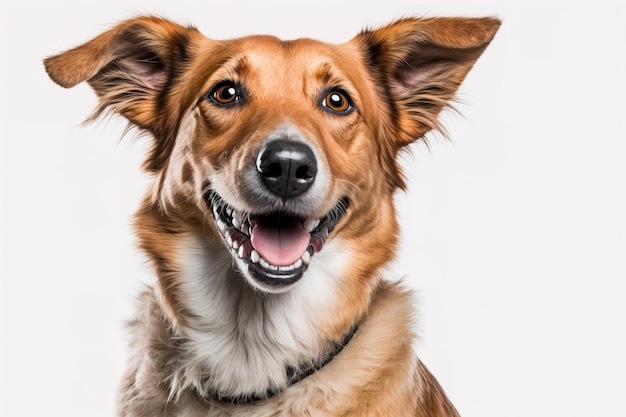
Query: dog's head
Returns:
{"type": "Point", "coordinates": [276, 148]}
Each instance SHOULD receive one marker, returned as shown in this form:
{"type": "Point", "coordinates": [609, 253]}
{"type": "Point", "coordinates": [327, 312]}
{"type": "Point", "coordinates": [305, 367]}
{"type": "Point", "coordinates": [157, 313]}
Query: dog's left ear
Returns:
{"type": "Point", "coordinates": [420, 63]}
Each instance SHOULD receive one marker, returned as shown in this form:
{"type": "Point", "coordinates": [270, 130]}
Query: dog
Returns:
{"type": "Point", "coordinates": [270, 221]}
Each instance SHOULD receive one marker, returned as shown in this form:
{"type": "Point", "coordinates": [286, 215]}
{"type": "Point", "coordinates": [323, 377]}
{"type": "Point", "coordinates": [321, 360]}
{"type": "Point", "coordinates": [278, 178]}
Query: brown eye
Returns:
{"type": "Point", "coordinates": [338, 101]}
{"type": "Point", "coordinates": [225, 93]}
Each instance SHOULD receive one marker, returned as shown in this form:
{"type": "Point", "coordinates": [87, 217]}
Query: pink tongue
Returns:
{"type": "Point", "coordinates": [280, 245]}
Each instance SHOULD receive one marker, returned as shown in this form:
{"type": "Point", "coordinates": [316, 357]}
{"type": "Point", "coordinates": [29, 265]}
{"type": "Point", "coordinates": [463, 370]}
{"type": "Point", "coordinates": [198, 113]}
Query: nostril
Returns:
{"type": "Point", "coordinates": [272, 171]}
{"type": "Point", "coordinates": [304, 172]}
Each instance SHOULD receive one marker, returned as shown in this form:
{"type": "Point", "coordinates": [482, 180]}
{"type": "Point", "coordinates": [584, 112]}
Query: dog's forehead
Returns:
{"type": "Point", "coordinates": [284, 57]}
{"type": "Point", "coordinates": [269, 45]}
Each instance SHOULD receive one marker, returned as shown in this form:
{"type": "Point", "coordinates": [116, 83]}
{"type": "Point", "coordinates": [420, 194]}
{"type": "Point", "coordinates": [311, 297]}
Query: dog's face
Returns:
{"type": "Point", "coordinates": [280, 149]}
{"type": "Point", "coordinates": [275, 148]}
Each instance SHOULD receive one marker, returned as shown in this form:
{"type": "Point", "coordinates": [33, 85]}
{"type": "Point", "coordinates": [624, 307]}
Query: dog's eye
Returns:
{"type": "Point", "coordinates": [225, 93]}
{"type": "Point", "coordinates": [338, 101]}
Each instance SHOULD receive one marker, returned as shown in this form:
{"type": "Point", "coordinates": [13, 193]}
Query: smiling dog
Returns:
{"type": "Point", "coordinates": [271, 216]}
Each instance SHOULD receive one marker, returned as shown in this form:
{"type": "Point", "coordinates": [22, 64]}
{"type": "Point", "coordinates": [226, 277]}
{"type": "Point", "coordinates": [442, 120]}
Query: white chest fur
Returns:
{"type": "Point", "coordinates": [240, 341]}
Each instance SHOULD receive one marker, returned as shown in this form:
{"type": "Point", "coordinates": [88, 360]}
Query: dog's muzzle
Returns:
{"type": "Point", "coordinates": [273, 243]}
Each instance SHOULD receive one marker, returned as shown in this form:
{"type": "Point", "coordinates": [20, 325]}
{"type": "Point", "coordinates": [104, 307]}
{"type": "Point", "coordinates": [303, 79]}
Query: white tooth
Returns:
{"type": "Point", "coordinates": [229, 240]}
{"type": "Point", "coordinates": [254, 256]}
{"type": "Point", "coordinates": [236, 223]}
{"type": "Point", "coordinates": [235, 245]}
{"type": "Point", "coordinates": [291, 267]}
{"type": "Point", "coordinates": [221, 225]}
{"type": "Point", "coordinates": [306, 257]}
{"type": "Point", "coordinates": [240, 253]}
{"type": "Point", "coordinates": [267, 265]}
{"type": "Point", "coordinates": [310, 225]}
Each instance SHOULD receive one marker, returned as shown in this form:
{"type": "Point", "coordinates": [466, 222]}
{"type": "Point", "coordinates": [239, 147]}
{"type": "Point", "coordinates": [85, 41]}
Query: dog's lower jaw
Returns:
{"type": "Point", "coordinates": [265, 283]}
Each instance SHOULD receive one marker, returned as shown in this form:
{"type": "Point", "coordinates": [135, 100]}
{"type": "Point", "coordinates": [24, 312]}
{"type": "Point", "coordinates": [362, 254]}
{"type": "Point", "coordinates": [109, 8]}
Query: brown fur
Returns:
{"type": "Point", "coordinates": [156, 74]}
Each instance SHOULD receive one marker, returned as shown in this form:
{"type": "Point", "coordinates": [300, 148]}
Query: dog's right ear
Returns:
{"type": "Point", "coordinates": [128, 67]}
{"type": "Point", "coordinates": [418, 65]}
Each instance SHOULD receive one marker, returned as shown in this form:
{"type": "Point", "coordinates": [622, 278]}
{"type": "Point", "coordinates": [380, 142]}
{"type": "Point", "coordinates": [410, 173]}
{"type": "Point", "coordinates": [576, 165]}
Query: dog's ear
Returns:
{"type": "Point", "coordinates": [420, 63]}
{"type": "Point", "coordinates": [128, 67]}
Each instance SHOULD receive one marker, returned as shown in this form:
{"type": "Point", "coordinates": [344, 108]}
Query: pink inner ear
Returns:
{"type": "Point", "coordinates": [444, 68]}
{"type": "Point", "coordinates": [410, 77]}
{"type": "Point", "coordinates": [151, 74]}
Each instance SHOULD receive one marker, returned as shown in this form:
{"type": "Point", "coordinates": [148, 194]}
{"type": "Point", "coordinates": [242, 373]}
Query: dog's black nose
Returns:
{"type": "Point", "coordinates": [287, 167]}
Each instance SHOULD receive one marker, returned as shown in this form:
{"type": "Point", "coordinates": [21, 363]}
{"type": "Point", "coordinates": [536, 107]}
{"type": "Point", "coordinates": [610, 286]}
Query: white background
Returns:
{"type": "Point", "coordinates": [514, 232]}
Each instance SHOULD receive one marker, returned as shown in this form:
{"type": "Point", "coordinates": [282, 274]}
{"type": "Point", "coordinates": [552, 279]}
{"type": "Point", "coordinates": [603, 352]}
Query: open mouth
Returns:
{"type": "Point", "coordinates": [275, 247]}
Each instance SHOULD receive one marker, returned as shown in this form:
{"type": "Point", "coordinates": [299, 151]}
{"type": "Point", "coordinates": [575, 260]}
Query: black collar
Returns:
{"type": "Point", "coordinates": [294, 375]}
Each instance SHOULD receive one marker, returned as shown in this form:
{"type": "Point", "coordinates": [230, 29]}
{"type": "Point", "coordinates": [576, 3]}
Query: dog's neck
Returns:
{"type": "Point", "coordinates": [238, 343]}
{"type": "Point", "coordinates": [294, 375]}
